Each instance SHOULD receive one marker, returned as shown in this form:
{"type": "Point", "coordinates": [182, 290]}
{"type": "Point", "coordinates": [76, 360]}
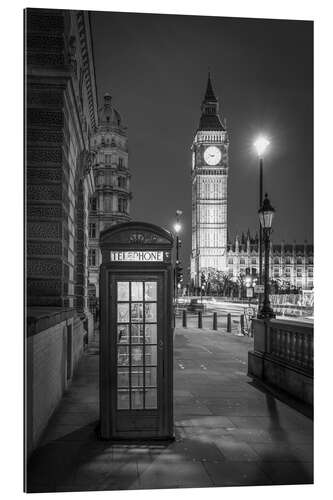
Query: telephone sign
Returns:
{"type": "Point", "coordinates": [136, 347]}
{"type": "Point", "coordinates": [136, 256]}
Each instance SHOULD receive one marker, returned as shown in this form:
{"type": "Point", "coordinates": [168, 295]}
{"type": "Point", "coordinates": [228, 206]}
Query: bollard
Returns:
{"type": "Point", "coordinates": [199, 319]}
{"type": "Point", "coordinates": [242, 323]}
{"type": "Point", "coordinates": [215, 321]}
{"type": "Point", "coordinates": [229, 323]}
{"type": "Point", "coordinates": [184, 319]}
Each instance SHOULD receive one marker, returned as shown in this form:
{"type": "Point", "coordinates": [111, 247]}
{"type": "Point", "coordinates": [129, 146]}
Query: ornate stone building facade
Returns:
{"type": "Point", "coordinates": [210, 165]}
{"type": "Point", "coordinates": [290, 264]}
{"type": "Point", "coordinates": [60, 118]}
{"type": "Point", "coordinates": [110, 203]}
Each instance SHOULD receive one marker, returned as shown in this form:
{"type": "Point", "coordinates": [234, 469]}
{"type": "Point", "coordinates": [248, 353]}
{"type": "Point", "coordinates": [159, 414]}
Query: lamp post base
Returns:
{"type": "Point", "coordinates": [266, 312]}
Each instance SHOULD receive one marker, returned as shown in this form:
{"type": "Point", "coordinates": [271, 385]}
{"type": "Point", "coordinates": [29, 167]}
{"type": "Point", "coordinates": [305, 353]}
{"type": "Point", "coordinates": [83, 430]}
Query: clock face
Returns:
{"type": "Point", "coordinates": [212, 155]}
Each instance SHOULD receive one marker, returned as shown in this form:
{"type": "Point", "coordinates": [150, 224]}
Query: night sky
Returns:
{"type": "Point", "coordinates": [155, 68]}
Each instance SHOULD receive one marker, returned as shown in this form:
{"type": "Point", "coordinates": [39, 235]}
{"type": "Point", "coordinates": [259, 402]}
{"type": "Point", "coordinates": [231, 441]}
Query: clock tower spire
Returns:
{"type": "Point", "coordinates": [210, 166]}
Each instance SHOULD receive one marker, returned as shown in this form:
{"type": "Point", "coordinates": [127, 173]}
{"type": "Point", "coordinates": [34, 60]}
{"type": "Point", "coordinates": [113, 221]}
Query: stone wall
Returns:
{"type": "Point", "coordinates": [52, 355]}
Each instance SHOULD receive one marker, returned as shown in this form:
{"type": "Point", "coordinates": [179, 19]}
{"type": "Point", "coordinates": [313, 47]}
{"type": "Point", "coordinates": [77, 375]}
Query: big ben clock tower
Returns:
{"type": "Point", "coordinates": [209, 190]}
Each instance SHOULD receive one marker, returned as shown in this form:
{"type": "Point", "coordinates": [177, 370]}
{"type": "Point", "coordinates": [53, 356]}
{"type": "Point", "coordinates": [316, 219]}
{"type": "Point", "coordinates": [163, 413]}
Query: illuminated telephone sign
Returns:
{"type": "Point", "coordinates": [136, 332]}
{"type": "Point", "coordinates": [136, 256]}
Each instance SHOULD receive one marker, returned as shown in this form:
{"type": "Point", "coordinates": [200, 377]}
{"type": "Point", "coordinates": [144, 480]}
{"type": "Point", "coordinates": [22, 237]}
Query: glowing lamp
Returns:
{"type": "Point", "coordinates": [177, 227]}
{"type": "Point", "coordinates": [261, 145]}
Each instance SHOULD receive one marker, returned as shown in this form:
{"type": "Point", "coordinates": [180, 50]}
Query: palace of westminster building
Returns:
{"type": "Point", "coordinates": [290, 264]}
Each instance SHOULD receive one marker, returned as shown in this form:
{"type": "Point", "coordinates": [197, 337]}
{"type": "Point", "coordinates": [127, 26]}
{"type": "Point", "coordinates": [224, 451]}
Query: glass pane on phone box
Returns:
{"type": "Point", "coordinates": [151, 355]}
{"type": "Point", "coordinates": [151, 377]}
{"type": "Point", "coordinates": [137, 355]}
{"type": "Point", "coordinates": [137, 376]}
{"type": "Point", "coordinates": [122, 290]}
{"type": "Point", "coordinates": [151, 398]}
{"type": "Point", "coordinates": [123, 313]}
{"type": "Point", "coordinates": [123, 400]}
{"type": "Point", "coordinates": [137, 399]}
{"type": "Point", "coordinates": [150, 312]}
{"type": "Point", "coordinates": [123, 377]}
{"type": "Point", "coordinates": [123, 334]}
{"type": "Point", "coordinates": [137, 334]}
{"type": "Point", "coordinates": [151, 334]}
{"type": "Point", "coordinates": [137, 290]}
{"type": "Point", "coordinates": [150, 290]}
{"type": "Point", "coordinates": [123, 356]}
{"type": "Point", "coordinates": [136, 312]}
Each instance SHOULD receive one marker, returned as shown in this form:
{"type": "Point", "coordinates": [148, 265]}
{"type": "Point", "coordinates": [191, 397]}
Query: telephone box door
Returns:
{"type": "Point", "coordinates": [138, 354]}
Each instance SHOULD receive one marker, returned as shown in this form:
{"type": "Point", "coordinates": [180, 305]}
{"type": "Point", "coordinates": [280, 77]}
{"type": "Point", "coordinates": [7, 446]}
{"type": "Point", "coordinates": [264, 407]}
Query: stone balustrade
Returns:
{"type": "Point", "coordinates": [283, 356]}
{"type": "Point", "coordinates": [292, 343]}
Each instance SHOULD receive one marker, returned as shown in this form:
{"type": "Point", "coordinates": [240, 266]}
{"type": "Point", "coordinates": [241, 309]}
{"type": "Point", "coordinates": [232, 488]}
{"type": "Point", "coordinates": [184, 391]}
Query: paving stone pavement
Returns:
{"type": "Point", "coordinates": [229, 431]}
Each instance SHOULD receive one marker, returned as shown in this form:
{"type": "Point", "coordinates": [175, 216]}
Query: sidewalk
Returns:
{"type": "Point", "coordinates": [228, 431]}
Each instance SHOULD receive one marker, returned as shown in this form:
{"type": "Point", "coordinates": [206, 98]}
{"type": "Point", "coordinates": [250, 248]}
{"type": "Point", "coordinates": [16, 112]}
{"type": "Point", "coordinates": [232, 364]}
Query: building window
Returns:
{"type": "Point", "coordinates": [287, 272]}
{"type": "Point", "coordinates": [120, 163]}
{"type": "Point", "coordinates": [230, 260]}
{"type": "Point", "coordinates": [121, 182]}
{"type": "Point", "coordinates": [299, 273]}
{"type": "Point", "coordinates": [310, 260]}
{"type": "Point", "coordinates": [310, 273]}
{"type": "Point", "coordinates": [242, 261]}
{"type": "Point", "coordinates": [288, 261]}
{"type": "Point", "coordinates": [92, 257]}
{"type": "Point", "coordinates": [92, 230]}
{"type": "Point", "coordinates": [100, 179]}
{"type": "Point", "coordinates": [93, 204]}
{"type": "Point", "coordinates": [276, 260]}
{"type": "Point", "coordinates": [108, 159]}
{"type": "Point", "coordinates": [122, 205]}
{"type": "Point", "coordinates": [299, 261]}
{"type": "Point", "coordinates": [253, 261]}
{"type": "Point", "coordinates": [276, 273]}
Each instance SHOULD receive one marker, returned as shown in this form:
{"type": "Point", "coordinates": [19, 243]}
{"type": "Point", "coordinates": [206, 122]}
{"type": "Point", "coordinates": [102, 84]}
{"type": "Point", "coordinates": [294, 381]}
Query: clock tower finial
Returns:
{"type": "Point", "coordinates": [209, 95]}
{"type": "Point", "coordinates": [210, 119]}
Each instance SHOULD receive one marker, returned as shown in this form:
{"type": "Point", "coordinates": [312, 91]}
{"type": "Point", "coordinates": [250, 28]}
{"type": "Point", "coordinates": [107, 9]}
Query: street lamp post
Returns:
{"type": "Point", "coordinates": [266, 214]}
{"type": "Point", "coordinates": [177, 228]}
{"type": "Point", "coordinates": [260, 145]}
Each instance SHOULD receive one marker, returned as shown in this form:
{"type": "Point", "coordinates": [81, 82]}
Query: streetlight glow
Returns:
{"type": "Point", "coordinates": [177, 227]}
{"type": "Point", "coordinates": [261, 145]}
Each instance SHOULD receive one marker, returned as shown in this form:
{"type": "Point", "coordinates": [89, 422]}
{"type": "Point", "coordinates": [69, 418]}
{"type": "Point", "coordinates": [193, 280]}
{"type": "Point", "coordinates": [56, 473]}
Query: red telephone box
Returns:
{"type": "Point", "coordinates": [136, 343]}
